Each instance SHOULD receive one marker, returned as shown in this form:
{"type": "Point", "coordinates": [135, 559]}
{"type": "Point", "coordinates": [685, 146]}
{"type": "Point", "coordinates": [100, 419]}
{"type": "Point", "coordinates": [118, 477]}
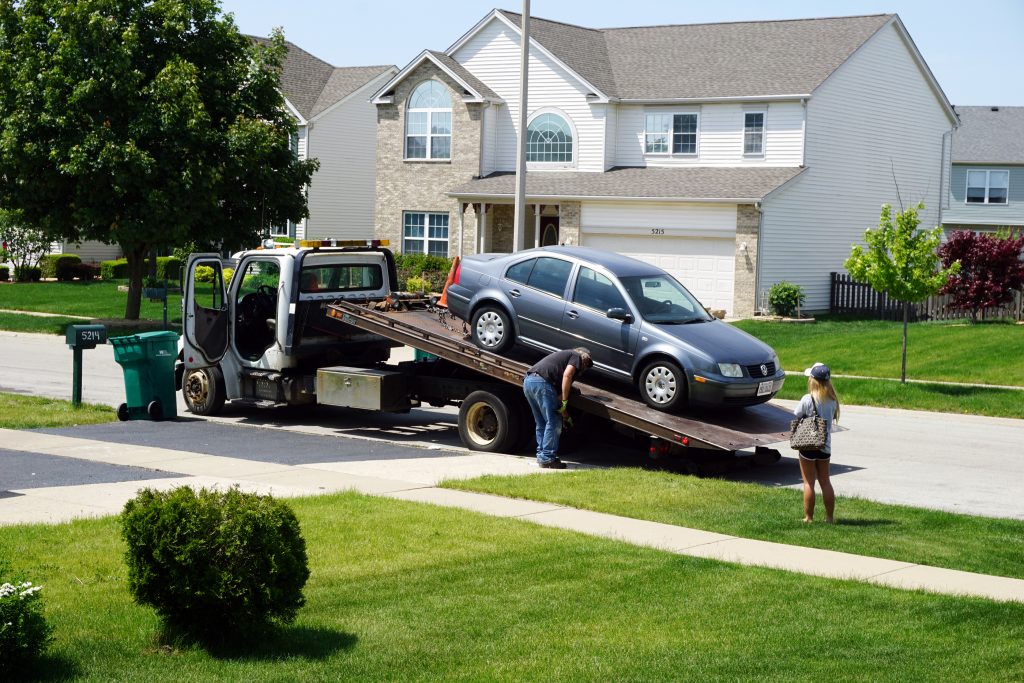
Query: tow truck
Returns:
{"type": "Point", "coordinates": [315, 324]}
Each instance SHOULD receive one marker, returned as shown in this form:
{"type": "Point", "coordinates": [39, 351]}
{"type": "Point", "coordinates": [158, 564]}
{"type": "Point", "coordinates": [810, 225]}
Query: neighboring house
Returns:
{"type": "Point", "coordinates": [986, 180]}
{"type": "Point", "coordinates": [337, 126]}
{"type": "Point", "coordinates": [732, 155]}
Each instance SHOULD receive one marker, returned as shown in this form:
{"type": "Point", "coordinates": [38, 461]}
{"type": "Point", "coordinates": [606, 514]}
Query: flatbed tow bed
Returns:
{"type": "Point", "coordinates": [430, 331]}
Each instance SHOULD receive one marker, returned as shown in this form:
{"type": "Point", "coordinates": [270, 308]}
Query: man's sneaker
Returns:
{"type": "Point", "coordinates": [555, 464]}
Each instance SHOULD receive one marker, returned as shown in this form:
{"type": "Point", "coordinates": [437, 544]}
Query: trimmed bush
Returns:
{"type": "Point", "coordinates": [785, 297]}
{"type": "Point", "coordinates": [417, 284]}
{"type": "Point", "coordinates": [434, 269]}
{"type": "Point", "coordinates": [114, 270]}
{"type": "Point", "coordinates": [60, 266]}
{"type": "Point", "coordinates": [214, 563]}
{"type": "Point", "coordinates": [5, 273]}
{"type": "Point", "coordinates": [86, 272]}
{"type": "Point", "coordinates": [27, 273]}
{"type": "Point", "coordinates": [168, 267]}
{"type": "Point", "coordinates": [24, 633]}
{"type": "Point", "coordinates": [230, 273]}
{"type": "Point", "coordinates": [204, 274]}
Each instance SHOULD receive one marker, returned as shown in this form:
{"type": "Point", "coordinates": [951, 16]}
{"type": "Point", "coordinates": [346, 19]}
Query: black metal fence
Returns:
{"type": "Point", "coordinates": [857, 298]}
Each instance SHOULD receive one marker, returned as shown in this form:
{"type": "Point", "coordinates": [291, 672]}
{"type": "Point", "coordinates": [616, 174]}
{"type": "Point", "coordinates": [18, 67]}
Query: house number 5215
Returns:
{"type": "Point", "coordinates": [657, 231]}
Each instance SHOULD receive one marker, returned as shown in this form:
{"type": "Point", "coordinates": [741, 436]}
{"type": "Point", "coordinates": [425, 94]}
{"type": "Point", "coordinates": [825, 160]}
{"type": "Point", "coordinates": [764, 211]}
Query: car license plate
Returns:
{"type": "Point", "coordinates": [764, 388]}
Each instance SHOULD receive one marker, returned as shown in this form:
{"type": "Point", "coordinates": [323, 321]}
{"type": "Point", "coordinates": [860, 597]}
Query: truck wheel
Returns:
{"type": "Point", "coordinates": [488, 423]}
{"type": "Point", "coordinates": [492, 329]}
{"type": "Point", "coordinates": [203, 390]}
{"type": "Point", "coordinates": [662, 385]}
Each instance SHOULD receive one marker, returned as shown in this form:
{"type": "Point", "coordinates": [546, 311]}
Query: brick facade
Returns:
{"type": "Point", "coordinates": [748, 229]}
{"type": "Point", "coordinates": [421, 185]}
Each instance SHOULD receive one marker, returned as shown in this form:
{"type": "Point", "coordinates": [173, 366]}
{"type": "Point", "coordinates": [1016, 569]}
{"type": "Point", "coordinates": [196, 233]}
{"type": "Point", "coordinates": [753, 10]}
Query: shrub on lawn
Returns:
{"type": "Point", "coordinates": [434, 269]}
{"type": "Point", "coordinates": [27, 273]}
{"type": "Point", "coordinates": [168, 267]}
{"type": "Point", "coordinates": [24, 633]}
{"type": "Point", "coordinates": [5, 273]}
{"type": "Point", "coordinates": [785, 297]}
{"type": "Point", "coordinates": [60, 266]}
{"type": "Point", "coordinates": [114, 270]}
{"type": "Point", "coordinates": [86, 272]}
{"type": "Point", "coordinates": [417, 284]}
{"type": "Point", "coordinates": [214, 563]}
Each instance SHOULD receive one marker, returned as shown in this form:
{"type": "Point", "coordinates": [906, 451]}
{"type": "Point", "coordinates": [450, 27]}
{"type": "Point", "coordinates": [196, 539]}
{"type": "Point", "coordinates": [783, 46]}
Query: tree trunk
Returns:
{"type": "Point", "coordinates": [903, 370]}
{"type": "Point", "coordinates": [136, 265]}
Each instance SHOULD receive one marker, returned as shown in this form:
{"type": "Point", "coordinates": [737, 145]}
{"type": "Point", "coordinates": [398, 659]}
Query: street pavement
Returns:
{"type": "Point", "coordinates": [959, 463]}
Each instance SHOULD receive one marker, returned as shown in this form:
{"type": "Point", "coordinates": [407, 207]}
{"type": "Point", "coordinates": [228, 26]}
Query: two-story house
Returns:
{"type": "Point", "coordinates": [732, 155]}
{"type": "Point", "coordinates": [337, 126]}
{"type": "Point", "coordinates": [986, 180]}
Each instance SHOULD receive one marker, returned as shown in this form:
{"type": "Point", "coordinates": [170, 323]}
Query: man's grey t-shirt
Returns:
{"type": "Point", "coordinates": [552, 367]}
{"type": "Point", "coordinates": [826, 410]}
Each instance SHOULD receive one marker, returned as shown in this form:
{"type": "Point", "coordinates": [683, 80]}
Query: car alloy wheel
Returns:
{"type": "Point", "coordinates": [662, 385]}
{"type": "Point", "coordinates": [492, 330]}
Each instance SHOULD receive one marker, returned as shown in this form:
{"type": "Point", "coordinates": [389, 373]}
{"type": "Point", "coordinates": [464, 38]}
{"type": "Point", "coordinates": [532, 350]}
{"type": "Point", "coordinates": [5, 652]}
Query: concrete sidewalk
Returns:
{"type": "Point", "coordinates": [64, 503]}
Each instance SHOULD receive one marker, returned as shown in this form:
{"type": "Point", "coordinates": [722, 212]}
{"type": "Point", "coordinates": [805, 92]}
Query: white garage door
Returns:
{"type": "Point", "coordinates": [704, 265]}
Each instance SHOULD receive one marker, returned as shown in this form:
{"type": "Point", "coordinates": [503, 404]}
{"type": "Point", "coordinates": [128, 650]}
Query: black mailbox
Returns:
{"type": "Point", "coordinates": [86, 336]}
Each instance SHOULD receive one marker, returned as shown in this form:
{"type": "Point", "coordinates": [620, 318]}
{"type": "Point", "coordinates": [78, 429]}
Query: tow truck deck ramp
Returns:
{"type": "Point", "coordinates": [432, 331]}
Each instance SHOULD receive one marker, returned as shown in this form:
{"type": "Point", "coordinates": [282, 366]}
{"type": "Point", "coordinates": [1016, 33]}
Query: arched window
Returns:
{"type": "Point", "coordinates": [428, 122]}
{"type": "Point", "coordinates": [549, 139]}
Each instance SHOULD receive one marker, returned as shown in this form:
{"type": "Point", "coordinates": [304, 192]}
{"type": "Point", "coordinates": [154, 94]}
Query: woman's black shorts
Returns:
{"type": "Point", "coordinates": [815, 455]}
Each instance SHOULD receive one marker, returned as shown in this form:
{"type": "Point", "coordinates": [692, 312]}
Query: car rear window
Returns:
{"type": "Point", "coordinates": [342, 277]}
{"type": "Point", "coordinates": [520, 272]}
{"type": "Point", "coordinates": [550, 275]}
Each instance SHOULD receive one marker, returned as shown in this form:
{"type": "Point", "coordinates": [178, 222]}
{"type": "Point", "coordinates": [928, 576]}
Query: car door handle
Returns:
{"type": "Point", "coordinates": [513, 292]}
{"type": "Point", "coordinates": [573, 314]}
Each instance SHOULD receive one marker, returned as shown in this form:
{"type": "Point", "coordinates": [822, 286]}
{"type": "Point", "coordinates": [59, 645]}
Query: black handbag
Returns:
{"type": "Point", "coordinates": [808, 433]}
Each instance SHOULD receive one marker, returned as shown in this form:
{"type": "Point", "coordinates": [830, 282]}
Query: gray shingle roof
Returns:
{"type": "Point", "coordinates": [987, 136]}
{"type": "Point", "coordinates": [646, 183]}
{"type": "Point", "coordinates": [312, 85]}
{"type": "Point", "coordinates": [740, 59]}
{"type": "Point", "coordinates": [464, 74]}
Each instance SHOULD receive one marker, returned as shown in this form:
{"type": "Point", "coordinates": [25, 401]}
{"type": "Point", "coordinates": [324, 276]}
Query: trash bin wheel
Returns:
{"type": "Point", "coordinates": [155, 411]}
{"type": "Point", "coordinates": [122, 412]}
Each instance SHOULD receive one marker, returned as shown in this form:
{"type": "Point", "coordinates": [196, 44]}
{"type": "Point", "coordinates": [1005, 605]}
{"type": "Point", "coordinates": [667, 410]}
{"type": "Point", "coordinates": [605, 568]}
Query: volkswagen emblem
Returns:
{"type": "Point", "coordinates": [764, 369]}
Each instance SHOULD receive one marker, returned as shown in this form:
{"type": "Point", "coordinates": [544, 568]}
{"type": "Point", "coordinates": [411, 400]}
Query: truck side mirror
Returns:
{"type": "Point", "coordinates": [620, 314]}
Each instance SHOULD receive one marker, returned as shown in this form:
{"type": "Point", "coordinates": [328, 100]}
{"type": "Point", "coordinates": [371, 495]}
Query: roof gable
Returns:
{"type": "Point", "coordinates": [475, 90]}
{"type": "Point", "coordinates": [989, 135]}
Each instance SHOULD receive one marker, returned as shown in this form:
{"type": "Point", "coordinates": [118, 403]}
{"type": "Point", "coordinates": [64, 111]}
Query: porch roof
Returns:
{"type": "Point", "coordinates": [720, 185]}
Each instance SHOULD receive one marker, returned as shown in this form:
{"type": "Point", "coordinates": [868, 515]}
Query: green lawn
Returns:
{"type": "Point", "coordinates": [941, 539]}
{"type": "Point", "coordinates": [95, 299]}
{"type": "Point", "coordinates": [407, 592]}
{"type": "Point", "coordinates": [34, 412]}
{"type": "Point", "coordinates": [952, 352]}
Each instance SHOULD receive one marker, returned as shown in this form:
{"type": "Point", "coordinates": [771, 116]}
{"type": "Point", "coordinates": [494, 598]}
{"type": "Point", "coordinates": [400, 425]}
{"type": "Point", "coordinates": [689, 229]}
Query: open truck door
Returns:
{"type": "Point", "coordinates": [205, 315]}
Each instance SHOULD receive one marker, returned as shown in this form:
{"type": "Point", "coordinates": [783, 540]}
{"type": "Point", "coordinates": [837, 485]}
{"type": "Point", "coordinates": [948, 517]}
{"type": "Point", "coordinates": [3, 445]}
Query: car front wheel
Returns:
{"type": "Point", "coordinates": [492, 329]}
{"type": "Point", "coordinates": [662, 385]}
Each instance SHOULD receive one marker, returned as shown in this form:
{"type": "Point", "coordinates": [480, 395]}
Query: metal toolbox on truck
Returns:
{"type": "Point", "coordinates": [363, 388]}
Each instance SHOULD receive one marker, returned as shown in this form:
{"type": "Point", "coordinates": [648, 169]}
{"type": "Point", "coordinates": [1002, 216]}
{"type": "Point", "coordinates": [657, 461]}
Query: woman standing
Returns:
{"type": "Point", "coordinates": [820, 399]}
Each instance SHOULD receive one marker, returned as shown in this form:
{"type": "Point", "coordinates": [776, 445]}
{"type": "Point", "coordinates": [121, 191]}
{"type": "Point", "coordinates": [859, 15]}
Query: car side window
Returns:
{"type": "Point", "coordinates": [550, 275]}
{"type": "Point", "coordinates": [520, 272]}
{"type": "Point", "coordinates": [594, 290]}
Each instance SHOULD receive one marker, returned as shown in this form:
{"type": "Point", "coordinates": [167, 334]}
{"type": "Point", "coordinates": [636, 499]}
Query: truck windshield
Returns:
{"type": "Point", "coordinates": [662, 300]}
{"type": "Point", "coordinates": [341, 277]}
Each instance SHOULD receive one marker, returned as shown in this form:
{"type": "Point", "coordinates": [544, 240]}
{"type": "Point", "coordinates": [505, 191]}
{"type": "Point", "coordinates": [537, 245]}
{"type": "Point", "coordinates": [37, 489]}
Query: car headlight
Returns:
{"type": "Point", "coordinates": [730, 369]}
{"type": "Point", "coordinates": [778, 363]}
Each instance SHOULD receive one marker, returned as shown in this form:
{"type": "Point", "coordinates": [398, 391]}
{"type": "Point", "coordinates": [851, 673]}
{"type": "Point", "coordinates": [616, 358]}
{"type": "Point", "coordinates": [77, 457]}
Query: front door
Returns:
{"type": "Point", "coordinates": [205, 311]}
{"type": "Point", "coordinates": [548, 231]}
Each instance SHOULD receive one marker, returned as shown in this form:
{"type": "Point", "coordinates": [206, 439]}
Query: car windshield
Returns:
{"type": "Point", "coordinates": [662, 300]}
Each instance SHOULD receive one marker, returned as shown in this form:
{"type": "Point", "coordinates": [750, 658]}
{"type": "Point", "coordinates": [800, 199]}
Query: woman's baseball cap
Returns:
{"type": "Point", "coordinates": [819, 371]}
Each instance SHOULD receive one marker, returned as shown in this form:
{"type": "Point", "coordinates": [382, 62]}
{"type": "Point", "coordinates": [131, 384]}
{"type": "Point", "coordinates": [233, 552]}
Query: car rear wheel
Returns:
{"type": "Point", "coordinates": [662, 385]}
{"type": "Point", "coordinates": [492, 329]}
{"type": "Point", "coordinates": [203, 390]}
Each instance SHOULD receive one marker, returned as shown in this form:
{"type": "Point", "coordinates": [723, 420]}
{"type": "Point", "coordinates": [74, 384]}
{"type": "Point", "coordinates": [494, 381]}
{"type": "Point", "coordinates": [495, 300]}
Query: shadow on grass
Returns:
{"type": "Point", "coordinates": [49, 667]}
{"type": "Point", "coordinates": [273, 643]}
{"type": "Point", "coordinates": [864, 522]}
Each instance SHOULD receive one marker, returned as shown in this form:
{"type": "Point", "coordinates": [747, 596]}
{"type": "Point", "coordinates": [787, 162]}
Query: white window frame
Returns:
{"type": "Point", "coordinates": [426, 238]}
{"type": "Point", "coordinates": [764, 132]}
{"type": "Point", "coordinates": [429, 135]}
{"type": "Point", "coordinates": [572, 131]}
{"type": "Point", "coordinates": [988, 186]}
{"type": "Point", "coordinates": [671, 135]}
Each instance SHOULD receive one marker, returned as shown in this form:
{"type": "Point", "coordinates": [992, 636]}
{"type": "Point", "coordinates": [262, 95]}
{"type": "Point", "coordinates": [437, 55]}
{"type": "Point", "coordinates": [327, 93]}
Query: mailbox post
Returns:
{"type": "Point", "coordinates": [81, 337]}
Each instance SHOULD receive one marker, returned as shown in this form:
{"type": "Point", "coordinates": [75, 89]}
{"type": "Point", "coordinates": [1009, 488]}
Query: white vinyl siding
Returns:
{"type": "Point", "coordinates": [89, 251]}
{"type": "Point", "coordinates": [492, 55]}
{"type": "Point", "coordinates": [873, 122]}
{"type": "Point", "coordinates": [720, 135]}
{"type": "Point", "coordinates": [342, 194]}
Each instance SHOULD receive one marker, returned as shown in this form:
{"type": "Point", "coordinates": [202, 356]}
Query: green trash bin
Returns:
{"type": "Point", "coordinates": [148, 363]}
{"type": "Point", "coordinates": [422, 355]}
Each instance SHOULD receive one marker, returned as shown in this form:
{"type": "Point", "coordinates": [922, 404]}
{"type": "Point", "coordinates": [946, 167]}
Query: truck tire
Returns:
{"type": "Point", "coordinates": [492, 329]}
{"type": "Point", "coordinates": [662, 385]}
{"type": "Point", "coordinates": [488, 422]}
{"type": "Point", "coordinates": [203, 390]}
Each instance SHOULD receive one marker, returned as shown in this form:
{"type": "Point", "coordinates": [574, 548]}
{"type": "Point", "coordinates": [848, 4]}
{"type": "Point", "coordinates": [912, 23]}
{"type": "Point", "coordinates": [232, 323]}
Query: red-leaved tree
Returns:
{"type": "Point", "coordinates": [990, 269]}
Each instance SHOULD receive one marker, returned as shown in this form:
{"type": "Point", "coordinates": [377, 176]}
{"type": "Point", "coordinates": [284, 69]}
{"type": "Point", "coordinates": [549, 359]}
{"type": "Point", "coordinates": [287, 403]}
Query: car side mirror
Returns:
{"type": "Point", "coordinates": [620, 314]}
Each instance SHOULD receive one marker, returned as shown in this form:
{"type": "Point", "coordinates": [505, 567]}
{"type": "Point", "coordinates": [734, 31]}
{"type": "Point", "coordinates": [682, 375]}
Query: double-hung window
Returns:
{"type": "Point", "coordinates": [671, 134]}
{"type": "Point", "coordinates": [988, 187]}
{"type": "Point", "coordinates": [425, 233]}
{"type": "Point", "coordinates": [753, 133]}
{"type": "Point", "coordinates": [428, 122]}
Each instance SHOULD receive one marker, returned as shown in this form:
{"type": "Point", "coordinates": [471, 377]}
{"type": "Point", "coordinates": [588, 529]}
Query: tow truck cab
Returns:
{"type": "Point", "coordinates": [255, 325]}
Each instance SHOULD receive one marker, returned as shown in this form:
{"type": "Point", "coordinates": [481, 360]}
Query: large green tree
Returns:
{"type": "Point", "coordinates": [146, 123]}
{"type": "Point", "coordinates": [901, 260]}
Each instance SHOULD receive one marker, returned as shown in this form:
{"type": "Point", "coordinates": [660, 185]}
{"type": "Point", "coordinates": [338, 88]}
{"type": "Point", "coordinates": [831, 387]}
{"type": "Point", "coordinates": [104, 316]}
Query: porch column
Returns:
{"type": "Point", "coordinates": [483, 228]}
{"type": "Point", "coordinates": [536, 224]}
{"type": "Point", "coordinates": [462, 210]}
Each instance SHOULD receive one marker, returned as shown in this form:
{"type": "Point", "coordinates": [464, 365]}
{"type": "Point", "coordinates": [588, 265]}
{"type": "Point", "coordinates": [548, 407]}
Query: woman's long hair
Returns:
{"type": "Point", "coordinates": [823, 391]}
